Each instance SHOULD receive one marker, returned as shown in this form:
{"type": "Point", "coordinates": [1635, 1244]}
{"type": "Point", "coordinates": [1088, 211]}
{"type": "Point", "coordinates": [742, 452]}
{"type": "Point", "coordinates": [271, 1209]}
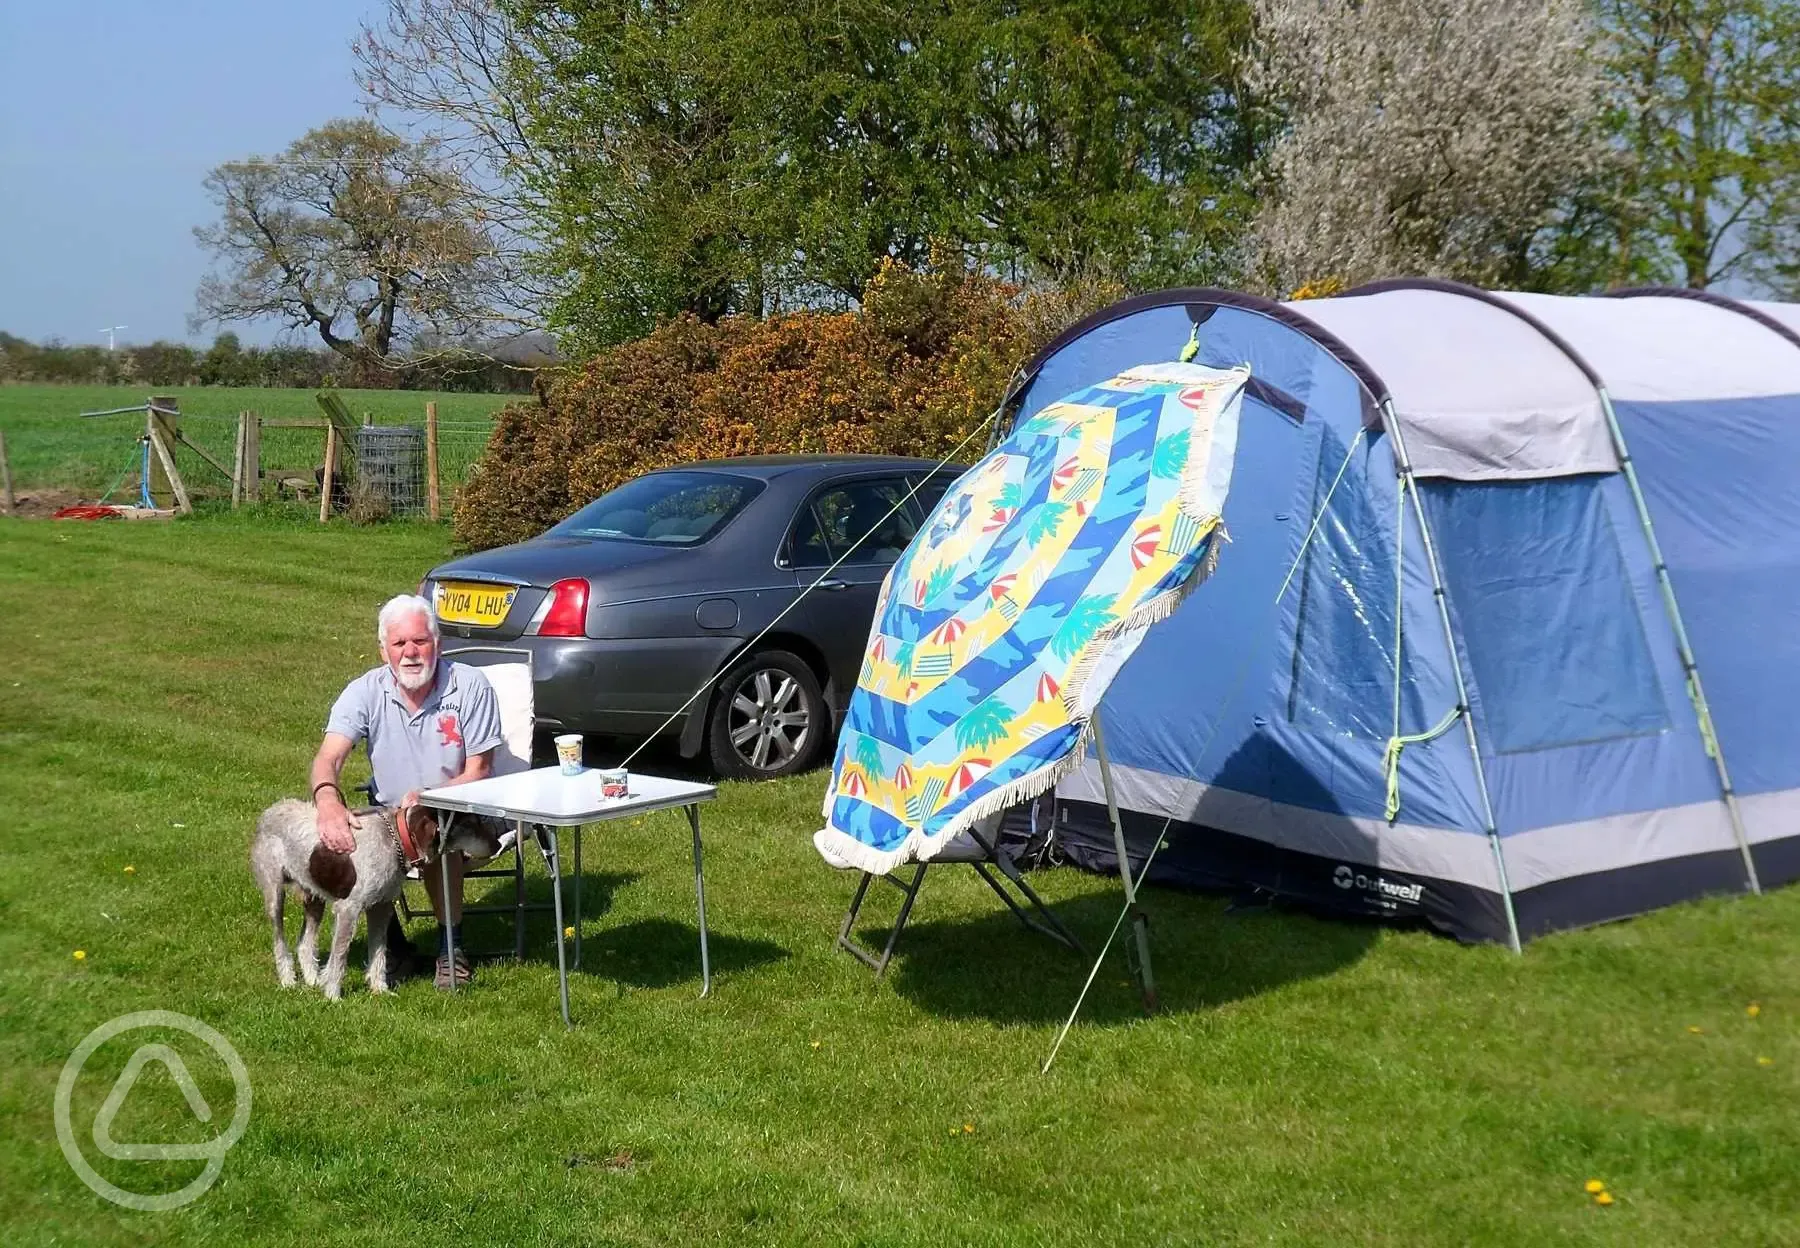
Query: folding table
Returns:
{"type": "Point", "coordinates": [546, 800]}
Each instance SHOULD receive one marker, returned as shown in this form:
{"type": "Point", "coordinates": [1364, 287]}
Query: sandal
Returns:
{"type": "Point", "coordinates": [463, 971]}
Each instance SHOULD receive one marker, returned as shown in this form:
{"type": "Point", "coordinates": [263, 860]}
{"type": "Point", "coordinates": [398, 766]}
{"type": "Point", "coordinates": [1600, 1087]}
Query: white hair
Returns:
{"type": "Point", "coordinates": [399, 607]}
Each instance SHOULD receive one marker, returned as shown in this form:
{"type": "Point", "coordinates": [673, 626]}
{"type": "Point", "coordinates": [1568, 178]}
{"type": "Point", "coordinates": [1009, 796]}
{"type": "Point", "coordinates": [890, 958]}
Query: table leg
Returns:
{"type": "Point", "coordinates": [546, 839]}
{"type": "Point", "coordinates": [693, 814]}
{"type": "Point", "coordinates": [577, 962]}
{"type": "Point", "coordinates": [449, 929]}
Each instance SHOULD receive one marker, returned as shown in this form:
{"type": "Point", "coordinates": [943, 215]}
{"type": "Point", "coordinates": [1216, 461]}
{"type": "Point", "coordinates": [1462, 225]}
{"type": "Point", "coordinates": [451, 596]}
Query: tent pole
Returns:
{"type": "Point", "coordinates": [1392, 423]}
{"type": "Point", "coordinates": [1689, 666]}
{"type": "Point", "coordinates": [1139, 922]}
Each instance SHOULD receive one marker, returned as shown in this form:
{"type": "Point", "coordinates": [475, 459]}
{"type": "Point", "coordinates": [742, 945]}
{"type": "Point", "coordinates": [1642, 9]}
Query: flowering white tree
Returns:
{"type": "Point", "coordinates": [1423, 137]}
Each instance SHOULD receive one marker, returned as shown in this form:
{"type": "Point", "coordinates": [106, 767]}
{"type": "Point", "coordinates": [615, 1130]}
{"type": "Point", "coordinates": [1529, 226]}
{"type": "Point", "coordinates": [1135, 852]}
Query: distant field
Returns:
{"type": "Point", "coordinates": [50, 446]}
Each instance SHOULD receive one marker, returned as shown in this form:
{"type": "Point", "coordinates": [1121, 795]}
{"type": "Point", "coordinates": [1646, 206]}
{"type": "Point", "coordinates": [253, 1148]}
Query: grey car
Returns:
{"type": "Point", "coordinates": [645, 612]}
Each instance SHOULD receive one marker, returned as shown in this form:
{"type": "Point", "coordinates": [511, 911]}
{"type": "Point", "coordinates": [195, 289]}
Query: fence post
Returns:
{"type": "Point", "coordinates": [6, 494]}
{"type": "Point", "coordinates": [252, 457]}
{"type": "Point", "coordinates": [331, 444]}
{"type": "Point", "coordinates": [431, 459]}
{"type": "Point", "coordinates": [237, 465]}
{"type": "Point", "coordinates": [153, 429]}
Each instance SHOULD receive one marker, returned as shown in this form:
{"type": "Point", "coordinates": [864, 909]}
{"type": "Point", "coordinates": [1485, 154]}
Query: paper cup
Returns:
{"type": "Point", "coordinates": [615, 782]}
{"type": "Point", "coordinates": [568, 753]}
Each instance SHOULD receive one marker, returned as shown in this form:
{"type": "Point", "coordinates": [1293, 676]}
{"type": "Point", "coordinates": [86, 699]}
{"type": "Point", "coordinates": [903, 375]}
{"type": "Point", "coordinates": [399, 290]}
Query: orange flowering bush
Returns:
{"type": "Point", "coordinates": [911, 372]}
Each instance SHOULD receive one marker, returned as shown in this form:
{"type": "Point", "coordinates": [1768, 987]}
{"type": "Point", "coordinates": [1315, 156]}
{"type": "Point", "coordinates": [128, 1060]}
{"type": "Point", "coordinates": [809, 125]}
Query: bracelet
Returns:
{"type": "Point", "coordinates": [326, 784]}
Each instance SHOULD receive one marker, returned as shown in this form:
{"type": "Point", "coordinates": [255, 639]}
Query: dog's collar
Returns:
{"type": "Point", "coordinates": [411, 853]}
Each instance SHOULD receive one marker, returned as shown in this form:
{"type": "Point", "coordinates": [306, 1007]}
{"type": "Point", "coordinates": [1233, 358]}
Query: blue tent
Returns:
{"type": "Point", "coordinates": [1508, 633]}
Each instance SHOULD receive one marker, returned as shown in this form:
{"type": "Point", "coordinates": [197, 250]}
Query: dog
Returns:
{"type": "Point", "coordinates": [286, 851]}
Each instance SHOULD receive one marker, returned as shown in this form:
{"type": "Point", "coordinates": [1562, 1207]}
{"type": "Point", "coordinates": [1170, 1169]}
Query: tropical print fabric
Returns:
{"type": "Point", "coordinates": [999, 627]}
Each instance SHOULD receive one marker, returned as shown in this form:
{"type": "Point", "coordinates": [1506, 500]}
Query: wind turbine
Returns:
{"type": "Point", "coordinates": [109, 331]}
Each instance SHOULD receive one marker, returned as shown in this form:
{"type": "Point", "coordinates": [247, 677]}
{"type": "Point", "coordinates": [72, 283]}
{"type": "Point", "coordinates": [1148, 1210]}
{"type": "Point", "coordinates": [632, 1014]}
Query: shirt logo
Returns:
{"type": "Point", "coordinates": [447, 731]}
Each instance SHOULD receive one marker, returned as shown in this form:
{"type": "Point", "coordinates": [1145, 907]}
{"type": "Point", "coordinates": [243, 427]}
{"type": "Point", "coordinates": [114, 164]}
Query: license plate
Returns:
{"type": "Point", "coordinates": [459, 602]}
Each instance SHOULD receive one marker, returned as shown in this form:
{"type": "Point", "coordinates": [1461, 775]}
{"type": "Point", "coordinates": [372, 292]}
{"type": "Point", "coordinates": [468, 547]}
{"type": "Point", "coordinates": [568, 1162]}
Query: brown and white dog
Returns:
{"type": "Point", "coordinates": [286, 851]}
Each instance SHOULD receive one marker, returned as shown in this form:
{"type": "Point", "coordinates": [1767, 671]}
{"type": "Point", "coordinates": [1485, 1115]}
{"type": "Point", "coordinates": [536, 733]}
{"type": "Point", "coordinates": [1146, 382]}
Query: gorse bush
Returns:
{"type": "Point", "coordinates": [912, 372]}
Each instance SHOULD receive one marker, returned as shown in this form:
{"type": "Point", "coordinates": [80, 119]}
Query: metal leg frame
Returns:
{"type": "Point", "coordinates": [693, 814]}
{"type": "Point", "coordinates": [879, 965]}
{"type": "Point", "coordinates": [1139, 921]}
{"type": "Point", "coordinates": [1050, 926]}
{"type": "Point", "coordinates": [546, 840]}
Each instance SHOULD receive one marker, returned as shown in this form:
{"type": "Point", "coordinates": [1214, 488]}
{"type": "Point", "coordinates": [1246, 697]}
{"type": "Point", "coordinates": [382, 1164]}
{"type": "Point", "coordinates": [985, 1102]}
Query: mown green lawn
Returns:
{"type": "Point", "coordinates": [1308, 1082]}
{"type": "Point", "coordinates": [50, 445]}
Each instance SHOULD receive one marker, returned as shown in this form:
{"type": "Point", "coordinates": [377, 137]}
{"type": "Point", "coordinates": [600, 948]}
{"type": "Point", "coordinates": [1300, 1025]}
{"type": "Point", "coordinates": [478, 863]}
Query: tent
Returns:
{"type": "Point", "coordinates": [1508, 636]}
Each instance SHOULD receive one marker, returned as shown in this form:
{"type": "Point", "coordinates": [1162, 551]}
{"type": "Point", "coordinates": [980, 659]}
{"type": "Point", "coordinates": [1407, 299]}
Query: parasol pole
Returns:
{"type": "Point", "coordinates": [1140, 922]}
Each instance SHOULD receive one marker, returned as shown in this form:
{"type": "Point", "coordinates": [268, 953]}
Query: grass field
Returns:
{"type": "Point", "coordinates": [1308, 1082]}
{"type": "Point", "coordinates": [50, 445]}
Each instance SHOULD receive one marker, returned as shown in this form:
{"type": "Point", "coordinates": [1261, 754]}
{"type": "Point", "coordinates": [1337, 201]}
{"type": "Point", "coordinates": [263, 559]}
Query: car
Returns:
{"type": "Point", "coordinates": [693, 602]}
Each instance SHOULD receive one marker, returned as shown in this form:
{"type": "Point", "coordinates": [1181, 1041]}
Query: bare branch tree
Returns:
{"type": "Point", "coordinates": [457, 69]}
{"type": "Point", "coordinates": [353, 233]}
{"type": "Point", "coordinates": [1431, 137]}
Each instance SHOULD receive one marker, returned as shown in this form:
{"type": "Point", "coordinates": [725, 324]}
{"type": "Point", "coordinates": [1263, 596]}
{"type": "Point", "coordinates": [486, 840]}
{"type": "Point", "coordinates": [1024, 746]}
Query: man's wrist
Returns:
{"type": "Point", "coordinates": [331, 785]}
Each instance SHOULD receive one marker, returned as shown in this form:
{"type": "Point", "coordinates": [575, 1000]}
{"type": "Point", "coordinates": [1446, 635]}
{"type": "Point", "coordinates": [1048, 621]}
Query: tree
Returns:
{"type": "Point", "coordinates": [717, 156]}
{"type": "Point", "coordinates": [1432, 137]}
{"type": "Point", "coordinates": [1706, 103]}
{"type": "Point", "coordinates": [353, 233]}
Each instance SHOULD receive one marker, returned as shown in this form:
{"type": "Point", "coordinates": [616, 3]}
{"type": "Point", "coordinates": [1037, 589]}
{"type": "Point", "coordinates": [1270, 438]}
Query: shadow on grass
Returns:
{"type": "Point", "coordinates": [491, 935]}
{"type": "Point", "coordinates": [659, 953]}
{"type": "Point", "coordinates": [1204, 954]}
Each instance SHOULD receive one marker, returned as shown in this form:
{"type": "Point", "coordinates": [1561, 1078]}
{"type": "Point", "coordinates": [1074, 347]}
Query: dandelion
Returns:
{"type": "Point", "coordinates": [568, 933]}
{"type": "Point", "coordinates": [954, 1132]}
{"type": "Point", "coordinates": [1765, 1061]}
{"type": "Point", "coordinates": [1694, 1029]}
{"type": "Point", "coordinates": [1594, 1187]}
{"type": "Point", "coordinates": [968, 1128]}
{"type": "Point", "coordinates": [1753, 1009]}
{"type": "Point", "coordinates": [81, 955]}
{"type": "Point", "coordinates": [1603, 1198]}
{"type": "Point", "coordinates": [130, 870]}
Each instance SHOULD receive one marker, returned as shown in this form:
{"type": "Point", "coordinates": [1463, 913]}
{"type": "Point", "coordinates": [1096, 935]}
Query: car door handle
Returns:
{"type": "Point", "coordinates": [832, 584]}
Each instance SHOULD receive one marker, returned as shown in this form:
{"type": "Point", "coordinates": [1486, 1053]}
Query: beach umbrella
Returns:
{"type": "Point", "coordinates": [998, 629]}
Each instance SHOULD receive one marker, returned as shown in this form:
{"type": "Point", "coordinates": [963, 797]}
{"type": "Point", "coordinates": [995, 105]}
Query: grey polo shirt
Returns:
{"type": "Point", "coordinates": [410, 751]}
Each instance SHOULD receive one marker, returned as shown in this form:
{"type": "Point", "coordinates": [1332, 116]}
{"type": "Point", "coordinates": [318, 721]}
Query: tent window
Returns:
{"type": "Point", "coordinates": [1343, 664]}
{"type": "Point", "coordinates": [1546, 612]}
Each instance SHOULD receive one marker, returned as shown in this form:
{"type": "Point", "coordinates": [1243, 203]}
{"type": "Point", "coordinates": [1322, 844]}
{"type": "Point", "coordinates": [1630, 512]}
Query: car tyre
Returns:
{"type": "Point", "coordinates": [769, 718]}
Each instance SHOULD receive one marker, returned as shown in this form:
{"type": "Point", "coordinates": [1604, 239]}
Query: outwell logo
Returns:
{"type": "Point", "coordinates": [1389, 892]}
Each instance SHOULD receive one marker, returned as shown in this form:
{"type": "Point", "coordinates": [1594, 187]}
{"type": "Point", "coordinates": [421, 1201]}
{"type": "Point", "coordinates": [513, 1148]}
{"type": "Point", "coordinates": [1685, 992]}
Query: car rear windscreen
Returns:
{"type": "Point", "coordinates": [667, 508]}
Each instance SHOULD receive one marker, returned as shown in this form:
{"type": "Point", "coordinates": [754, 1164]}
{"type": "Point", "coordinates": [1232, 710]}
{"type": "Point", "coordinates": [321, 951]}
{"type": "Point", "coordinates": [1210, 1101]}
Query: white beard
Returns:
{"type": "Point", "coordinates": [413, 677]}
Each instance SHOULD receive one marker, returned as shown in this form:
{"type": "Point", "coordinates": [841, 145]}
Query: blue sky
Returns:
{"type": "Point", "coordinates": [111, 113]}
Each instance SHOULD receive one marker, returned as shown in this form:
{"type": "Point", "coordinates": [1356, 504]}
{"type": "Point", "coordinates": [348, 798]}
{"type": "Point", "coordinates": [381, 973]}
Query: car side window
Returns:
{"type": "Point", "coordinates": [872, 513]}
{"type": "Point", "coordinates": [931, 489]}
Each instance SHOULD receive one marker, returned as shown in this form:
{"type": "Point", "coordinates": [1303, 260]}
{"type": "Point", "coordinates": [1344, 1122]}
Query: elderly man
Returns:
{"type": "Point", "coordinates": [427, 723]}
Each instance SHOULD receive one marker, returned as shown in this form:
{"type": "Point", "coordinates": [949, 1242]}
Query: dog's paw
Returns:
{"type": "Point", "coordinates": [309, 974]}
{"type": "Point", "coordinates": [381, 988]}
{"type": "Point", "coordinates": [334, 992]}
{"type": "Point", "coordinates": [285, 977]}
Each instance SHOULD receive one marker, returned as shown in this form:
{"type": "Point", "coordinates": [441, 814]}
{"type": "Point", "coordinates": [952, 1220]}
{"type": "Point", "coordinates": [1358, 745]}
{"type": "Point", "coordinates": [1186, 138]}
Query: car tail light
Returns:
{"type": "Point", "coordinates": [567, 616]}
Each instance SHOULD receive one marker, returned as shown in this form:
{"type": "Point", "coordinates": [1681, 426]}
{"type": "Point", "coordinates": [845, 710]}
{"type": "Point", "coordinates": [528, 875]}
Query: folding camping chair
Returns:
{"type": "Point", "coordinates": [980, 846]}
{"type": "Point", "coordinates": [510, 672]}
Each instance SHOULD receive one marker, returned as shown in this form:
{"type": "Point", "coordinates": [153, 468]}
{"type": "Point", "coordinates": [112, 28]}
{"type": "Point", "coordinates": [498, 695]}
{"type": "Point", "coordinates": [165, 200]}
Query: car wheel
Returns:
{"type": "Point", "coordinates": [768, 718]}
